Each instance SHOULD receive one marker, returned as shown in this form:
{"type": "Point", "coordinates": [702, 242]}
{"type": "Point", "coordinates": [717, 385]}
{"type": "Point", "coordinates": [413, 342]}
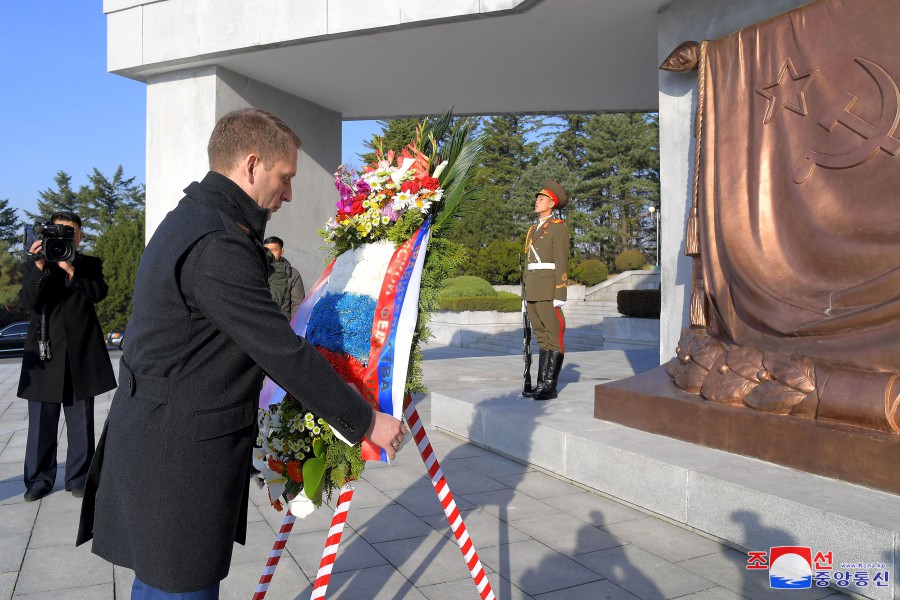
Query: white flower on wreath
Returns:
{"type": "Point", "coordinates": [403, 200]}
{"type": "Point", "coordinates": [401, 171]}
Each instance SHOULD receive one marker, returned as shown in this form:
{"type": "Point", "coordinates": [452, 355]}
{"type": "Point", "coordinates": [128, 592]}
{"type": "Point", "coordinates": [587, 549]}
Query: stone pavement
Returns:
{"type": "Point", "coordinates": [538, 536]}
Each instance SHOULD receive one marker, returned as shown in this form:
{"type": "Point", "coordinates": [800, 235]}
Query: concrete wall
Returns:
{"type": "Point", "coordinates": [629, 333]}
{"type": "Point", "coordinates": [680, 21]}
{"type": "Point", "coordinates": [182, 109]}
{"type": "Point", "coordinates": [460, 329]}
{"type": "Point", "coordinates": [145, 32]}
{"type": "Point", "coordinates": [608, 291]}
{"type": "Point", "coordinates": [314, 195]}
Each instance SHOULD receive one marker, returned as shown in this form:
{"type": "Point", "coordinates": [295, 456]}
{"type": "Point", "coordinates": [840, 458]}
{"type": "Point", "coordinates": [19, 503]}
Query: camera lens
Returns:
{"type": "Point", "coordinates": [58, 250]}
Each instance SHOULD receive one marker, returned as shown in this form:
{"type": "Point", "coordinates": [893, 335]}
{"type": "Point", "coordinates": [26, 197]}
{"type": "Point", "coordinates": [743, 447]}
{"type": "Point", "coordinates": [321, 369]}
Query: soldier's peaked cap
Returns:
{"type": "Point", "coordinates": [555, 192]}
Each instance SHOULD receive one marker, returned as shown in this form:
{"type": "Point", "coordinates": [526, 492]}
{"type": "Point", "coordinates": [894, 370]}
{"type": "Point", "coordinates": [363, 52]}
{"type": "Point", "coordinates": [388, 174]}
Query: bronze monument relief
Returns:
{"type": "Point", "coordinates": [794, 227]}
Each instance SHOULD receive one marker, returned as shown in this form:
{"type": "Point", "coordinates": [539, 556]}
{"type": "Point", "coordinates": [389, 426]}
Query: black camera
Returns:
{"type": "Point", "coordinates": [59, 241]}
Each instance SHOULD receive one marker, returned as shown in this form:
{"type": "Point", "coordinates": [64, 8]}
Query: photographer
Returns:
{"type": "Point", "coordinates": [66, 362]}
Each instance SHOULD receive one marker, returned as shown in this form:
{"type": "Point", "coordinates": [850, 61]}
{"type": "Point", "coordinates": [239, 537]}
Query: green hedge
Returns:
{"type": "Point", "coordinates": [466, 286]}
{"type": "Point", "coordinates": [502, 302]}
{"type": "Point", "coordinates": [643, 304]}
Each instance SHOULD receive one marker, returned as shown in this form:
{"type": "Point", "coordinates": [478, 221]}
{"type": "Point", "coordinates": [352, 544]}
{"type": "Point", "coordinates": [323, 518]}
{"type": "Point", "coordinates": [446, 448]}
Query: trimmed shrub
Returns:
{"type": "Point", "coordinates": [502, 302]}
{"type": "Point", "coordinates": [642, 304]}
{"type": "Point", "coordinates": [498, 263]}
{"type": "Point", "coordinates": [591, 272]}
{"type": "Point", "coordinates": [466, 286]}
{"type": "Point", "coordinates": [630, 260]}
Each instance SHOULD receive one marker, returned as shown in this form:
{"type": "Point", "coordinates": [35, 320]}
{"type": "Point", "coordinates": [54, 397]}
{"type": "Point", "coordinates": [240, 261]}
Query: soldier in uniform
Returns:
{"type": "Point", "coordinates": [547, 258]}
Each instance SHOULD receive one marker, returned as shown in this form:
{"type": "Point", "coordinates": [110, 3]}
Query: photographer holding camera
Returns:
{"type": "Point", "coordinates": [66, 362]}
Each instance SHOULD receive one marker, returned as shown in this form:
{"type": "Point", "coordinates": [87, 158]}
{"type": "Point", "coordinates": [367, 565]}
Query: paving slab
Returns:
{"type": "Point", "coordinates": [465, 588]}
{"type": "Point", "coordinates": [663, 539]}
{"type": "Point", "coordinates": [426, 560]}
{"type": "Point", "coordinates": [596, 590]}
{"type": "Point", "coordinates": [354, 553]}
{"type": "Point", "coordinates": [7, 585]}
{"type": "Point", "coordinates": [72, 568]}
{"type": "Point", "coordinates": [566, 534]}
{"type": "Point", "coordinates": [386, 524]}
{"type": "Point", "coordinates": [375, 583]}
{"type": "Point", "coordinates": [535, 568]}
{"type": "Point", "coordinates": [645, 575]}
{"type": "Point", "coordinates": [484, 528]}
{"type": "Point", "coordinates": [104, 591]}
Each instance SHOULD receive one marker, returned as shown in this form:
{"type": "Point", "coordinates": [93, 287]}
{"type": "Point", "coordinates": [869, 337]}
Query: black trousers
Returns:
{"type": "Point", "coordinates": [40, 449]}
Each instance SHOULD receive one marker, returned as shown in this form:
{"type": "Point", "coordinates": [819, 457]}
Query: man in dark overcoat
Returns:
{"type": "Point", "coordinates": [168, 490]}
{"type": "Point", "coordinates": [77, 369]}
{"type": "Point", "coordinates": [546, 278]}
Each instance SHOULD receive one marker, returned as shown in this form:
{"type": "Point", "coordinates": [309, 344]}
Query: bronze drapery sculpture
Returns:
{"type": "Point", "coordinates": [795, 227]}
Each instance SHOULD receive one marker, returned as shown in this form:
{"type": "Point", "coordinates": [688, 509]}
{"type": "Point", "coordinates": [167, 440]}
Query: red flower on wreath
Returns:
{"type": "Point", "coordinates": [430, 183]}
{"type": "Point", "coordinates": [276, 465]}
{"type": "Point", "coordinates": [411, 186]}
{"type": "Point", "coordinates": [295, 471]}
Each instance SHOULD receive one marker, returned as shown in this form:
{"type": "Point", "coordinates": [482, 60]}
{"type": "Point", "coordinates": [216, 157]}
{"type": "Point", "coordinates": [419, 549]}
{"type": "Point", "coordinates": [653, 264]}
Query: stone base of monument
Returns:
{"type": "Point", "coordinates": [650, 402]}
{"type": "Point", "coordinates": [745, 502]}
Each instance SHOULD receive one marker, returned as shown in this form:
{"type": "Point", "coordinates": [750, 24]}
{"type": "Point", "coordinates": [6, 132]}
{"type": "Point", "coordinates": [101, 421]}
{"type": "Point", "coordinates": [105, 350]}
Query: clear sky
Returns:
{"type": "Point", "coordinates": [61, 111]}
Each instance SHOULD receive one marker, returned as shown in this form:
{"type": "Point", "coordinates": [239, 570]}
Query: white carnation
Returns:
{"type": "Point", "coordinates": [361, 270]}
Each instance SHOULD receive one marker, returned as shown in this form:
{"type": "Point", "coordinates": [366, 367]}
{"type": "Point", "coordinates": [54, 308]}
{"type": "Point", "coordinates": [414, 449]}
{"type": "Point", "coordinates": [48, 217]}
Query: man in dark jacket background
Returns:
{"type": "Point", "coordinates": [285, 282]}
{"type": "Point", "coordinates": [168, 489]}
{"type": "Point", "coordinates": [77, 369]}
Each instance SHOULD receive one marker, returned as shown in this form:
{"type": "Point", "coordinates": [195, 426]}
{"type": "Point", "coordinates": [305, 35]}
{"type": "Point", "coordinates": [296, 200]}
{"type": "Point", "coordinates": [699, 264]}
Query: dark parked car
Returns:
{"type": "Point", "coordinates": [12, 339]}
{"type": "Point", "coordinates": [115, 338]}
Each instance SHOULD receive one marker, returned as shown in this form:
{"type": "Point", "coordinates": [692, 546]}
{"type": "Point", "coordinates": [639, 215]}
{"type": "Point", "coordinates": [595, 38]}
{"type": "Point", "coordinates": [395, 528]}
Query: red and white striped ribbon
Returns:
{"type": "Point", "coordinates": [333, 541]}
{"type": "Point", "coordinates": [457, 525]}
{"type": "Point", "coordinates": [269, 570]}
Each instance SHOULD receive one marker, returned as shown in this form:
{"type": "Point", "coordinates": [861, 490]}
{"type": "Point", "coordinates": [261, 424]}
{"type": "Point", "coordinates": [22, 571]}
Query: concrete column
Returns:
{"type": "Point", "coordinates": [681, 21]}
{"type": "Point", "coordinates": [182, 109]}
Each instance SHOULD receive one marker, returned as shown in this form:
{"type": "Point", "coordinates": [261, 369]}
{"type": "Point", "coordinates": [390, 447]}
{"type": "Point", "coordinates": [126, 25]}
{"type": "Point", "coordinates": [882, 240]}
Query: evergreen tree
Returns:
{"type": "Point", "coordinates": [10, 226]}
{"type": "Point", "coordinates": [120, 246]}
{"type": "Point", "coordinates": [63, 198]}
{"type": "Point", "coordinates": [396, 134]}
{"type": "Point", "coordinates": [10, 284]}
{"type": "Point", "coordinates": [620, 180]}
{"type": "Point", "coordinates": [108, 200]}
{"type": "Point", "coordinates": [570, 144]}
{"type": "Point", "coordinates": [507, 153]}
{"type": "Point", "coordinates": [498, 263]}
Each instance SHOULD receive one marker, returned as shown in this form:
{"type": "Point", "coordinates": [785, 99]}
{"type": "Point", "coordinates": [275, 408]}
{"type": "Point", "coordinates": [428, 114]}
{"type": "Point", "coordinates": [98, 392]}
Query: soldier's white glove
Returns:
{"type": "Point", "coordinates": [524, 308]}
{"type": "Point", "coordinates": [559, 303]}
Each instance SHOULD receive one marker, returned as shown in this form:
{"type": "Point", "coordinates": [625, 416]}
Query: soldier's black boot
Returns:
{"type": "Point", "coordinates": [551, 376]}
{"type": "Point", "coordinates": [542, 362]}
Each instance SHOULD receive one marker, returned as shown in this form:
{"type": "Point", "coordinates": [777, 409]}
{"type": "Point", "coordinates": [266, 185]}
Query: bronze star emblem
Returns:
{"type": "Point", "coordinates": [781, 92]}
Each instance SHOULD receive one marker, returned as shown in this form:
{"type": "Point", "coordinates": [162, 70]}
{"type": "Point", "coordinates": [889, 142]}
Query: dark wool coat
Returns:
{"type": "Point", "coordinates": [168, 488]}
{"type": "Point", "coordinates": [76, 342]}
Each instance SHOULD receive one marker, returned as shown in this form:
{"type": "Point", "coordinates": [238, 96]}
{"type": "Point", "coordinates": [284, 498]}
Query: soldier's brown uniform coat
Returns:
{"type": "Point", "coordinates": [549, 241]}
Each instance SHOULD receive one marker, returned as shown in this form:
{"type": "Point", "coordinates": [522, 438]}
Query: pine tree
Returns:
{"type": "Point", "coordinates": [620, 180]}
{"type": "Point", "coordinates": [10, 284]}
{"type": "Point", "coordinates": [63, 198]}
{"type": "Point", "coordinates": [10, 226]}
{"type": "Point", "coordinates": [120, 246]}
{"type": "Point", "coordinates": [395, 135]}
{"type": "Point", "coordinates": [107, 200]}
{"type": "Point", "coordinates": [507, 153]}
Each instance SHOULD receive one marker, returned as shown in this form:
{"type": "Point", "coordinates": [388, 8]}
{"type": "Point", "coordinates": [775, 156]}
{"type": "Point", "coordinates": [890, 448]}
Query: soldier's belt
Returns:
{"type": "Point", "coordinates": [541, 266]}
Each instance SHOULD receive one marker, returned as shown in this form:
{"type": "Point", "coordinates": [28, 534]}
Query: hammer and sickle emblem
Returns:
{"type": "Point", "coordinates": [876, 137]}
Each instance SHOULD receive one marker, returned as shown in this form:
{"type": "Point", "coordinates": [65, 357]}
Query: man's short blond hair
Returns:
{"type": "Point", "coordinates": [249, 131]}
